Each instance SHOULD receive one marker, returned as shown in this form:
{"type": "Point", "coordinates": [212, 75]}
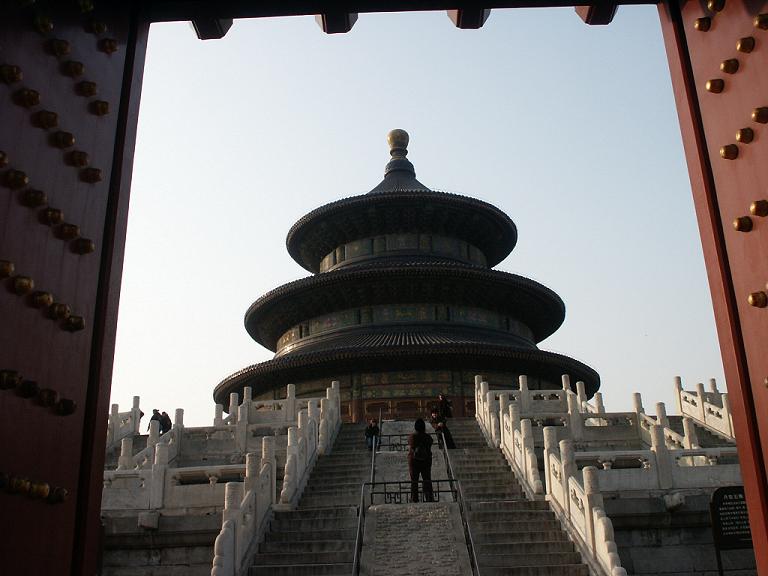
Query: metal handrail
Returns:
{"type": "Point", "coordinates": [376, 441]}
{"type": "Point", "coordinates": [394, 490]}
{"type": "Point", "coordinates": [361, 506]}
{"type": "Point", "coordinates": [463, 511]}
{"type": "Point", "coordinates": [360, 530]}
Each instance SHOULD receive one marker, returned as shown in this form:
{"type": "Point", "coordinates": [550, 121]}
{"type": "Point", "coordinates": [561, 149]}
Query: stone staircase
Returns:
{"type": "Point", "coordinates": [706, 438]}
{"type": "Point", "coordinates": [512, 535]}
{"type": "Point", "coordinates": [181, 546]}
{"type": "Point", "coordinates": [319, 536]}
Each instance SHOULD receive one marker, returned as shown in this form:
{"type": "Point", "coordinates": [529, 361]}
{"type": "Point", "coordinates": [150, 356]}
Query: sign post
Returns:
{"type": "Point", "coordinates": [730, 521]}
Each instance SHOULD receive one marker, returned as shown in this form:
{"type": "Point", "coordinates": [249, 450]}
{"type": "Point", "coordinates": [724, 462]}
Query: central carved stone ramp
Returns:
{"type": "Point", "coordinates": [319, 536]}
{"type": "Point", "coordinates": [512, 535]}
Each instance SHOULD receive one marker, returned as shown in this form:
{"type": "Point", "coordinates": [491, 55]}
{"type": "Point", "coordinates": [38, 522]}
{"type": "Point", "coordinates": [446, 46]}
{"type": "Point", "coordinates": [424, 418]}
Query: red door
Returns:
{"type": "Point", "coordinates": [69, 81]}
{"type": "Point", "coordinates": [718, 56]}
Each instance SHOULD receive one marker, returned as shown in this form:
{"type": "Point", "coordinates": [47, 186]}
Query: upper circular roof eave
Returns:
{"type": "Point", "coordinates": [495, 248]}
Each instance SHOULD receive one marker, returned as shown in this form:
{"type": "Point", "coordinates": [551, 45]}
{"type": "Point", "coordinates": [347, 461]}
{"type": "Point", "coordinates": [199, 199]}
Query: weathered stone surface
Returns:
{"type": "Point", "coordinates": [654, 540]}
{"type": "Point", "coordinates": [421, 539]}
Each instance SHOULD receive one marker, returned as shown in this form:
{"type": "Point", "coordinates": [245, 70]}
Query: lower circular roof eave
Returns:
{"type": "Point", "coordinates": [287, 369]}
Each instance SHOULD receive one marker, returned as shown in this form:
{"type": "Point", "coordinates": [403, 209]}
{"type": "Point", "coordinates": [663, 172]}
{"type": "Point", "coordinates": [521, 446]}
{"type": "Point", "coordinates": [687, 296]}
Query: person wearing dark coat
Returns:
{"type": "Point", "coordinates": [155, 416]}
{"type": "Point", "coordinates": [420, 461]}
{"type": "Point", "coordinates": [441, 427]}
{"type": "Point", "coordinates": [372, 434]}
{"type": "Point", "coordinates": [445, 406]}
{"type": "Point", "coordinates": [165, 423]}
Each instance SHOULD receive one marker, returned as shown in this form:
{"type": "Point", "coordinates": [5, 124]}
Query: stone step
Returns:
{"type": "Point", "coordinates": [563, 570]}
{"type": "Point", "coordinates": [302, 570]}
{"type": "Point", "coordinates": [472, 454]}
{"type": "Point", "coordinates": [556, 546]}
{"type": "Point", "coordinates": [529, 559]}
{"type": "Point", "coordinates": [337, 463]}
{"type": "Point", "coordinates": [505, 480]}
{"type": "Point", "coordinates": [160, 570]}
{"type": "Point", "coordinates": [330, 489]}
{"type": "Point", "coordinates": [505, 538]}
{"type": "Point", "coordinates": [475, 486]}
{"type": "Point", "coordinates": [350, 445]}
{"type": "Point", "coordinates": [302, 558]}
{"type": "Point", "coordinates": [480, 462]}
{"type": "Point", "coordinates": [499, 476]}
{"type": "Point", "coordinates": [306, 524]}
{"type": "Point", "coordinates": [508, 526]}
{"type": "Point", "coordinates": [518, 516]}
{"type": "Point", "coordinates": [348, 512]}
{"type": "Point", "coordinates": [345, 469]}
{"type": "Point", "coordinates": [308, 546]}
{"type": "Point", "coordinates": [482, 459]}
{"type": "Point", "coordinates": [492, 494]}
{"type": "Point", "coordinates": [293, 536]}
{"type": "Point", "coordinates": [510, 505]}
{"type": "Point", "coordinates": [344, 474]}
{"type": "Point", "coordinates": [459, 471]}
{"type": "Point", "coordinates": [322, 479]}
{"type": "Point", "coordinates": [337, 458]}
{"type": "Point", "coordinates": [314, 502]}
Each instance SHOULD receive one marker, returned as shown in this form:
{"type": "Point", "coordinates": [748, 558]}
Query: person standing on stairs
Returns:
{"type": "Point", "coordinates": [372, 435]}
{"type": "Point", "coordinates": [445, 406]}
{"type": "Point", "coordinates": [420, 461]}
{"type": "Point", "coordinates": [441, 427]}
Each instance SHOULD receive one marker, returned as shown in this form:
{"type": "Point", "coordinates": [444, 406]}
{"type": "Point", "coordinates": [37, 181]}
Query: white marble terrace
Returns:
{"type": "Point", "coordinates": [561, 447]}
{"type": "Point", "coordinates": [589, 453]}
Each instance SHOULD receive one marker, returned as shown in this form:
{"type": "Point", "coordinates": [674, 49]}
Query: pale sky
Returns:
{"type": "Point", "coordinates": [570, 129]}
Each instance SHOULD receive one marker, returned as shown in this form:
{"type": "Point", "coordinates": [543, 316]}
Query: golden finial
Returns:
{"type": "Point", "coordinates": [398, 142]}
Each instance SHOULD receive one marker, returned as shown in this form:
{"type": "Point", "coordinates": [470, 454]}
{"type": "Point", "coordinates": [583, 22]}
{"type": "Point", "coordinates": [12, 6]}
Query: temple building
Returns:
{"type": "Point", "coordinates": [404, 304]}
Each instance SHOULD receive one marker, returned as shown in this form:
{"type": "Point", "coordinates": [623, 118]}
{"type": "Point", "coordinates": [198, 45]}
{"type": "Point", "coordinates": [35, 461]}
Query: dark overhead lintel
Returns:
{"type": "Point", "coordinates": [469, 18]}
{"type": "Point", "coordinates": [211, 28]}
{"type": "Point", "coordinates": [174, 10]}
{"type": "Point", "coordinates": [597, 14]}
{"type": "Point", "coordinates": [336, 22]}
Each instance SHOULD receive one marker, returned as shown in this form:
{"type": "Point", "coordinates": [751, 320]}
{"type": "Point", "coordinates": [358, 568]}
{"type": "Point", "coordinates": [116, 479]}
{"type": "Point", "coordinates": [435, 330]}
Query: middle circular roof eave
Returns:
{"type": "Point", "coordinates": [535, 305]}
{"type": "Point", "coordinates": [327, 227]}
